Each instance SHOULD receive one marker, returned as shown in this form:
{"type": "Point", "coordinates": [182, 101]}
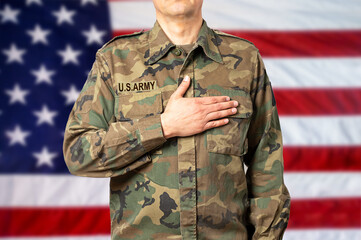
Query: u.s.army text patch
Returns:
{"type": "Point", "coordinates": [137, 86]}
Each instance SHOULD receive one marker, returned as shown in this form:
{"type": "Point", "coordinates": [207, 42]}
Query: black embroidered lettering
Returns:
{"type": "Point", "coordinates": [146, 85]}
{"type": "Point", "coordinates": [152, 83]}
{"type": "Point", "coordinates": [120, 87]}
{"type": "Point", "coordinates": [135, 87]}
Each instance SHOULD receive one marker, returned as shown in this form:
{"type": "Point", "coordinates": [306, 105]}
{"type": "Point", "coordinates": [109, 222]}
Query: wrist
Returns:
{"type": "Point", "coordinates": [165, 128]}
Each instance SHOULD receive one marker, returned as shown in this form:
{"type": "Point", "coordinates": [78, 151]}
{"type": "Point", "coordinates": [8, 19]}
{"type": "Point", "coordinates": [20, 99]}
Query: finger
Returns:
{"type": "Point", "coordinates": [220, 114]}
{"type": "Point", "coordinates": [216, 123]}
{"type": "Point", "coordinates": [182, 88]}
{"type": "Point", "coordinates": [213, 99]}
{"type": "Point", "coordinates": [220, 106]}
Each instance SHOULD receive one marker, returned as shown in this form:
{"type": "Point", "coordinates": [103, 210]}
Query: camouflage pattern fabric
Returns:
{"type": "Point", "coordinates": [186, 187]}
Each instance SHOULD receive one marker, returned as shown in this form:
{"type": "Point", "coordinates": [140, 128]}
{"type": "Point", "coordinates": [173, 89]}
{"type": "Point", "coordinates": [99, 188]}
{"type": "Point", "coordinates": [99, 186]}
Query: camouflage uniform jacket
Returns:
{"type": "Point", "coordinates": [184, 187]}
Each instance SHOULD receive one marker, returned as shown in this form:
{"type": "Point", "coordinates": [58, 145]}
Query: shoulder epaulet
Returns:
{"type": "Point", "coordinates": [123, 36]}
{"type": "Point", "coordinates": [230, 35]}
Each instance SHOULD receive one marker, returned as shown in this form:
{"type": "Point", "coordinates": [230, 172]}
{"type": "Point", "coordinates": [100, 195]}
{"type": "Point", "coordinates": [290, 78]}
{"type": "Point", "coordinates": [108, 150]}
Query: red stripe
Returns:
{"type": "Point", "coordinates": [54, 221]}
{"type": "Point", "coordinates": [322, 158]}
{"type": "Point", "coordinates": [304, 43]}
{"type": "Point", "coordinates": [325, 213]}
{"type": "Point", "coordinates": [309, 213]}
{"type": "Point", "coordinates": [318, 101]}
{"type": "Point", "coordinates": [337, 43]}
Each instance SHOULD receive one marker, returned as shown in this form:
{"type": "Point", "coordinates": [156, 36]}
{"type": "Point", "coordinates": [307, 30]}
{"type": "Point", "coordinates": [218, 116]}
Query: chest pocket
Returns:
{"type": "Point", "coordinates": [232, 137]}
{"type": "Point", "coordinates": [128, 107]}
{"type": "Point", "coordinates": [136, 105]}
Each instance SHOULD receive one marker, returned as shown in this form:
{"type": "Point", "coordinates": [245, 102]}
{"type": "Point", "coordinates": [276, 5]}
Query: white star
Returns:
{"type": "Point", "coordinates": [45, 157]}
{"type": "Point", "coordinates": [38, 35]}
{"type": "Point", "coordinates": [64, 15]}
{"type": "Point", "coordinates": [43, 75]}
{"type": "Point", "coordinates": [17, 95]}
{"type": "Point", "coordinates": [94, 35]}
{"type": "Point", "coordinates": [84, 2]}
{"type": "Point", "coordinates": [9, 15]}
{"type": "Point", "coordinates": [71, 95]}
{"type": "Point", "coordinates": [38, 2]}
{"type": "Point", "coordinates": [17, 136]}
{"type": "Point", "coordinates": [69, 55]}
{"type": "Point", "coordinates": [45, 116]}
{"type": "Point", "coordinates": [14, 54]}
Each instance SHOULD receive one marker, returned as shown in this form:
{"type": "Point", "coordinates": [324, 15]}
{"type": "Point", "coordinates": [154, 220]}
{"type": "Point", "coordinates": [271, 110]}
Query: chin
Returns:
{"type": "Point", "coordinates": [178, 9]}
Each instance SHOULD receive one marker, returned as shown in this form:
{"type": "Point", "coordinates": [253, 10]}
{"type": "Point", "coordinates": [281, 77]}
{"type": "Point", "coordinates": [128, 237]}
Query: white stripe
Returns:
{"type": "Point", "coordinates": [290, 234]}
{"type": "Point", "coordinates": [321, 131]}
{"type": "Point", "coordinates": [67, 190]}
{"type": "Point", "coordinates": [323, 234]}
{"type": "Point", "coordinates": [302, 185]}
{"type": "Point", "coordinates": [53, 190]}
{"type": "Point", "coordinates": [131, 14]}
{"type": "Point", "coordinates": [314, 72]}
{"type": "Point", "coordinates": [250, 14]}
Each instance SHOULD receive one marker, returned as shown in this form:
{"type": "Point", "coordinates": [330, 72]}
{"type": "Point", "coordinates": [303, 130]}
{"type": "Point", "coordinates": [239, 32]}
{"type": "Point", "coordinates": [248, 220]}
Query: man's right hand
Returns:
{"type": "Point", "coordinates": [189, 116]}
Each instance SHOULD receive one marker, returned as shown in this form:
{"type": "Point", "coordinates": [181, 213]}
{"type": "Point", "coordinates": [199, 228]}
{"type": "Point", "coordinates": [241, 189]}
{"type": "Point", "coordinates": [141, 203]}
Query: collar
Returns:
{"type": "Point", "coordinates": [160, 44]}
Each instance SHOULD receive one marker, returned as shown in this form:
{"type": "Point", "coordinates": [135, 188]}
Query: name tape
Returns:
{"type": "Point", "coordinates": [136, 86]}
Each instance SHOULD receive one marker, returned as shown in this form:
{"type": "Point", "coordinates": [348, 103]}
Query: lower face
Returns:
{"type": "Point", "coordinates": [178, 7]}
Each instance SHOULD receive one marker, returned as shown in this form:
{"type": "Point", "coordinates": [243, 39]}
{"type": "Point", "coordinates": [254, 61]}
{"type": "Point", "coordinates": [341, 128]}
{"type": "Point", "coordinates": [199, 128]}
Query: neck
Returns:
{"type": "Point", "coordinates": [182, 30]}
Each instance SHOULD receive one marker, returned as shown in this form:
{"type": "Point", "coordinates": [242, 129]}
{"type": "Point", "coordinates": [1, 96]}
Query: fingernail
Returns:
{"type": "Point", "coordinates": [235, 103]}
{"type": "Point", "coordinates": [186, 78]}
{"type": "Point", "coordinates": [234, 110]}
{"type": "Point", "coordinates": [226, 120]}
{"type": "Point", "coordinates": [228, 98]}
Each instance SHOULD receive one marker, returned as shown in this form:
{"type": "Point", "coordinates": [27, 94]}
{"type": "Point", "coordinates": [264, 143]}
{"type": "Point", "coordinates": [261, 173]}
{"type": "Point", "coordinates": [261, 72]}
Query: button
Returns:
{"type": "Point", "coordinates": [177, 51]}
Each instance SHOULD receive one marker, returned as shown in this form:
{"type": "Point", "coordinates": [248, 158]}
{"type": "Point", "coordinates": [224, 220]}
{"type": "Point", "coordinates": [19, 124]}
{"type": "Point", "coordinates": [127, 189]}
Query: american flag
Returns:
{"type": "Point", "coordinates": [312, 53]}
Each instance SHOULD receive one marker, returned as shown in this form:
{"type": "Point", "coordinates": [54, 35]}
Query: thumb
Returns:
{"type": "Point", "coordinates": [182, 88]}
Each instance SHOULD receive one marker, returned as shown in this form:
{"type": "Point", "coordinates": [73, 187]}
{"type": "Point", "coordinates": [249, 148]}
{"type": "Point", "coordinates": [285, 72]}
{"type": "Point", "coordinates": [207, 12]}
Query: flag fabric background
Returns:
{"type": "Point", "coordinates": [312, 53]}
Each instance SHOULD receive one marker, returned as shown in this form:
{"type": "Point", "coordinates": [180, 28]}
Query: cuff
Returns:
{"type": "Point", "coordinates": [151, 132]}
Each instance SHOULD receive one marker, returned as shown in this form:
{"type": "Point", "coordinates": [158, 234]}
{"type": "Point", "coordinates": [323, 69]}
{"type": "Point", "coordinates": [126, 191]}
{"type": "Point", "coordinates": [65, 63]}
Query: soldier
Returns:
{"type": "Point", "coordinates": [171, 116]}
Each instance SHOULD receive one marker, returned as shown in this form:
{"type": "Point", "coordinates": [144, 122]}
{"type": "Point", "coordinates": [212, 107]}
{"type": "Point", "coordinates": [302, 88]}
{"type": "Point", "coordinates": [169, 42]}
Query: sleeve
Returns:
{"type": "Point", "coordinates": [95, 145]}
{"type": "Point", "coordinates": [269, 199]}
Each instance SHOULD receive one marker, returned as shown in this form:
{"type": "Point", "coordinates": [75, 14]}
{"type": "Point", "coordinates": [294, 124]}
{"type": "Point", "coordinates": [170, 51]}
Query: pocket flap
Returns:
{"type": "Point", "coordinates": [138, 104]}
{"type": "Point", "coordinates": [244, 108]}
